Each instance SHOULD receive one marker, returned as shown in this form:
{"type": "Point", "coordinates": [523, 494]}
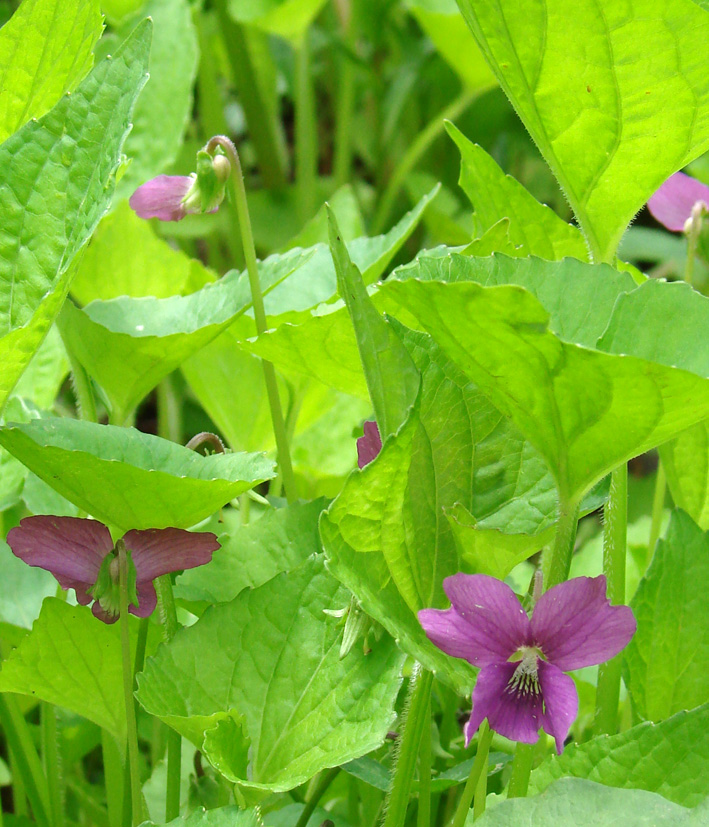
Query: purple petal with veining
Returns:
{"type": "Point", "coordinates": [369, 445]}
{"type": "Point", "coordinates": [561, 702]}
{"type": "Point", "coordinates": [575, 625]}
{"type": "Point", "coordinates": [516, 715]}
{"type": "Point", "coordinates": [162, 197]}
{"type": "Point", "coordinates": [672, 204]}
{"type": "Point", "coordinates": [157, 551]}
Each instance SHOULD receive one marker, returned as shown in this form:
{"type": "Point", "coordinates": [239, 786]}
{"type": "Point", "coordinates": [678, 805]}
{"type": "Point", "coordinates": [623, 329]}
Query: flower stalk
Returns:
{"type": "Point", "coordinates": [521, 770]}
{"type": "Point", "coordinates": [558, 564]}
{"type": "Point", "coordinates": [477, 772]}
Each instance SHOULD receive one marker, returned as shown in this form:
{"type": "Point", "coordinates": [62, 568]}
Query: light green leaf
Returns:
{"type": "Point", "coordinates": [385, 535]}
{"type": "Point", "coordinates": [12, 472]}
{"type": "Point", "coordinates": [585, 804]}
{"type": "Point", "coordinates": [164, 108]}
{"type": "Point", "coordinates": [73, 660]}
{"type": "Point", "coordinates": [56, 181]}
{"type": "Point", "coordinates": [285, 18]}
{"type": "Point", "coordinates": [130, 479]}
{"type": "Point", "coordinates": [280, 540]}
{"type": "Point", "coordinates": [117, 10]}
{"type": "Point", "coordinates": [534, 228]}
{"type": "Point", "coordinates": [219, 817]}
{"type": "Point", "coordinates": [45, 373]}
{"type": "Point", "coordinates": [268, 664]}
{"type": "Point", "coordinates": [667, 661]}
{"type": "Point", "coordinates": [392, 377]}
{"type": "Point", "coordinates": [45, 50]}
{"type": "Point", "coordinates": [442, 22]}
{"type": "Point", "coordinates": [126, 258]}
{"type": "Point", "coordinates": [129, 344]}
{"type": "Point", "coordinates": [616, 102]}
{"type": "Point", "coordinates": [24, 589]}
{"type": "Point", "coordinates": [585, 411]}
{"type": "Point", "coordinates": [347, 209]}
{"type": "Point", "coordinates": [670, 758]}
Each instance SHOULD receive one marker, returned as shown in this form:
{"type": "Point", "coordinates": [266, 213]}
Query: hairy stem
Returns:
{"type": "Point", "coordinates": [556, 570]}
{"type": "Point", "coordinates": [477, 771]}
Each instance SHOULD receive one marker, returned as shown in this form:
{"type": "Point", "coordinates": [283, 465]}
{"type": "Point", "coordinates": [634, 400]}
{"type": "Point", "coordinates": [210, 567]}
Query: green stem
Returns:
{"type": "Point", "coordinates": [316, 794]}
{"type": "Point", "coordinates": [345, 99]}
{"type": "Point", "coordinates": [264, 126]}
{"type": "Point", "coordinates": [658, 507]}
{"type": "Point", "coordinates": [81, 384]}
{"type": "Point", "coordinates": [695, 227]}
{"type": "Point", "coordinates": [269, 374]}
{"type": "Point", "coordinates": [476, 772]}
{"type": "Point", "coordinates": [615, 531]}
{"type": "Point", "coordinates": [410, 738]}
{"type": "Point", "coordinates": [169, 411]}
{"type": "Point", "coordinates": [52, 760]}
{"type": "Point", "coordinates": [113, 775]}
{"type": "Point", "coordinates": [306, 151]}
{"type": "Point", "coordinates": [480, 796]}
{"type": "Point", "coordinates": [521, 770]}
{"type": "Point", "coordinates": [25, 758]}
{"type": "Point", "coordinates": [423, 817]}
{"type": "Point", "coordinates": [413, 154]}
{"type": "Point", "coordinates": [131, 726]}
{"type": "Point", "coordinates": [556, 570]}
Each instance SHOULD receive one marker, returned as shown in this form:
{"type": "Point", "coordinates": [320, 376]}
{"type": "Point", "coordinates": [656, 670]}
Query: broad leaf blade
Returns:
{"type": "Point", "coordinates": [615, 102]}
{"type": "Point", "coordinates": [130, 479]}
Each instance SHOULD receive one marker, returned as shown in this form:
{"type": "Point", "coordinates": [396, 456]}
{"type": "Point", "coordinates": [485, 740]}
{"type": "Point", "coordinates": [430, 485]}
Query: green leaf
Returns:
{"type": "Point", "coordinates": [595, 89]}
{"type": "Point", "coordinates": [45, 50]}
{"type": "Point", "coordinates": [285, 18]}
{"type": "Point", "coordinates": [73, 660]}
{"type": "Point", "coordinates": [129, 344]}
{"type": "Point", "coordinates": [126, 258]}
{"type": "Point", "coordinates": [534, 228]}
{"type": "Point", "coordinates": [44, 375]}
{"type": "Point", "coordinates": [585, 411]}
{"type": "Point", "coordinates": [56, 181]}
{"type": "Point", "coordinates": [130, 479]}
{"type": "Point", "coordinates": [392, 377]}
{"type": "Point", "coordinates": [219, 817]}
{"type": "Point", "coordinates": [667, 661]}
{"type": "Point", "coordinates": [385, 535]}
{"type": "Point", "coordinates": [670, 758]}
{"type": "Point", "coordinates": [442, 22]}
{"type": "Point", "coordinates": [585, 804]}
{"type": "Point", "coordinates": [263, 674]}
{"type": "Point", "coordinates": [280, 540]}
{"type": "Point", "coordinates": [164, 108]}
{"type": "Point", "coordinates": [24, 589]}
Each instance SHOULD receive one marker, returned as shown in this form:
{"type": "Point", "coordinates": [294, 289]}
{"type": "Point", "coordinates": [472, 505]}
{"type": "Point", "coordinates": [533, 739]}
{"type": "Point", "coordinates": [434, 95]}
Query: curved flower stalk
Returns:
{"type": "Point", "coordinates": [82, 556]}
{"type": "Point", "coordinates": [677, 201]}
{"type": "Point", "coordinates": [369, 445]}
{"type": "Point", "coordinates": [521, 686]}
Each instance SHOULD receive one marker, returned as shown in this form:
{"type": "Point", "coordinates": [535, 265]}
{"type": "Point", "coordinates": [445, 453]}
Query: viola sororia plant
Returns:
{"type": "Point", "coordinates": [354, 446]}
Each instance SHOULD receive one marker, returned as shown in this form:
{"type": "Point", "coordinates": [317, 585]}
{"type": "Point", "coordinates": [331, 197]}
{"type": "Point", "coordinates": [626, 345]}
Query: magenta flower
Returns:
{"type": "Point", "coordinates": [672, 204]}
{"type": "Point", "coordinates": [164, 198]}
{"type": "Point", "coordinates": [369, 445]}
{"type": "Point", "coordinates": [521, 686]}
{"type": "Point", "coordinates": [78, 552]}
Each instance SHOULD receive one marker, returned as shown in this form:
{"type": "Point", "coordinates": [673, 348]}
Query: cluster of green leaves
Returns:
{"type": "Point", "coordinates": [509, 356]}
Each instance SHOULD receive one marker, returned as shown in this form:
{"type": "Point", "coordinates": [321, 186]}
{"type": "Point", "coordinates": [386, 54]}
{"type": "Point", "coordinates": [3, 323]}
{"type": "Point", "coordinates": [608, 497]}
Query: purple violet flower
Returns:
{"type": "Point", "coordinates": [369, 445]}
{"type": "Point", "coordinates": [76, 551]}
{"type": "Point", "coordinates": [673, 203]}
{"type": "Point", "coordinates": [164, 198]}
{"type": "Point", "coordinates": [521, 685]}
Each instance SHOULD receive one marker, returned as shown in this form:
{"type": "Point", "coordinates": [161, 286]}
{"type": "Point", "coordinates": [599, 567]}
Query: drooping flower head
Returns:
{"type": "Point", "coordinates": [521, 687]}
{"type": "Point", "coordinates": [369, 445]}
{"type": "Point", "coordinates": [674, 201]}
{"type": "Point", "coordinates": [172, 197]}
{"type": "Point", "coordinates": [82, 556]}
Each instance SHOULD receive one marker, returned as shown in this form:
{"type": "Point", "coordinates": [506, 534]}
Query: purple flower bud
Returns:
{"type": "Point", "coordinates": [164, 197]}
{"type": "Point", "coordinates": [672, 204]}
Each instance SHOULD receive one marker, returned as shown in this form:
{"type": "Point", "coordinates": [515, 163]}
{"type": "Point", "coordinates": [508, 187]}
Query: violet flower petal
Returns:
{"type": "Point", "coordinates": [516, 715]}
{"type": "Point", "coordinates": [158, 551]}
{"type": "Point", "coordinates": [672, 204]}
{"type": "Point", "coordinates": [575, 625]}
{"type": "Point", "coordinates": [147, 600]}
{"type": "Point", "coordinates": [162, 197]}
{"type": "Point", "coordinates": [497, 623]}
{"type": "Point", "coordinates": [71, 548]}
{"type": "Point", "coordinates": [561, 702]}
{"type": "Point", "coordinates": [103, 615]}
{"type": "Point", "coordinates": [369, 445]}
{"type": "Point", "coordinates": [447, 630]}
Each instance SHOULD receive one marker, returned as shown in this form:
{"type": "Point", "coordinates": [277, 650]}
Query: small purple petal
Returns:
{"type": "Point", "coordinates": [71, 548]}
{"type": "Point", "coordinates": [561, 702]}
{"type": "Point", "coordinates": [103, 615]}
{"type": "Point", "coordinates": [162, 197]}
{"type": "Point", "coordinates": [369, 445]}
{"type": "Point", "coordinates": [575, 625]}
{"type": "Point", "coordinates": [157, 551]}
{"type": "Point", "coordinates": [516, 715]}
{"type": "Point", "coordinates": [497, 623]}
{"type": "Point", "coordinates": [672, 204]}
{"type": "Point", "coordinates": [147, 600]}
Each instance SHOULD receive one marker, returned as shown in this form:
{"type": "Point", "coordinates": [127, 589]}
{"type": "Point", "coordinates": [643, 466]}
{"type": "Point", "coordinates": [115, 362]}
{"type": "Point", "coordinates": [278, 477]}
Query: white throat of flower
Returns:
{"type": "Point", "coordinates": [525, 680]}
